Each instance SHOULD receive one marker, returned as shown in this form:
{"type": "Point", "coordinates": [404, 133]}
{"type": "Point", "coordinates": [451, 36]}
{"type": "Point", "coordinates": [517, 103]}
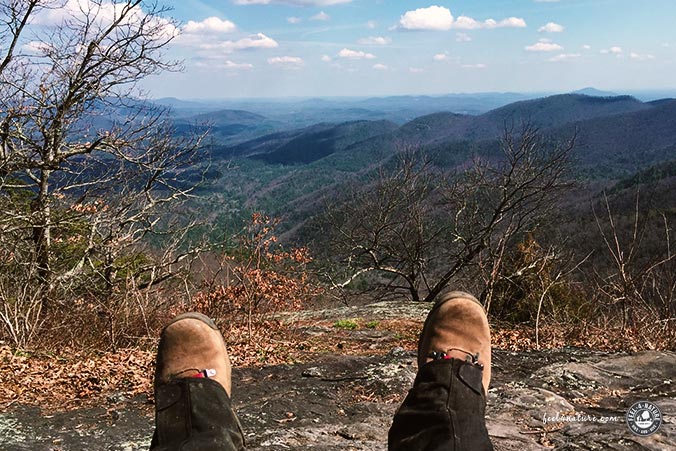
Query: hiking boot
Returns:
{"type": "Point", "coordinates": [445, 409]}
{"type": "Point", "coordinates": [457, 327]}
{"type": "Point", "coordinates": [191, 345]}
{"type": "Point", "coordinates": [192, 385]}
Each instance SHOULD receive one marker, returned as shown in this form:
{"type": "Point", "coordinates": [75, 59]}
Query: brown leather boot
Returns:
{"type": "Point", "coordinates": [446, 408]}
{"type": "Point", "coordinates": [193, 410]}
{"type": "Point", "coordinates": [457, 327]}
{"type": "Point", "coordinates": [192, 344]}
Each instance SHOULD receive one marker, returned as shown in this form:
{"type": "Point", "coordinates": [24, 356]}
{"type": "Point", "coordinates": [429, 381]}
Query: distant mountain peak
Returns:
{"type": "Point", "coordinates": [589, 91]}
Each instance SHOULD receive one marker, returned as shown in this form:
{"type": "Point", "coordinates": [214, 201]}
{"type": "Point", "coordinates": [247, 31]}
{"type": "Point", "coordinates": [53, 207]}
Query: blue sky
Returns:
{"type": "Point", "coordinates": [273, 48]}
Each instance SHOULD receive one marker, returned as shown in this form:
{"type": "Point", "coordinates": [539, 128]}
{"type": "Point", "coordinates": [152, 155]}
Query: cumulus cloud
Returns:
{"type": "Point", "coordinates": [586, 47]}
{"type": "Point", "coordinates": [101, 14]}
{"type": "Point", "coordinates": [467, 23]}
{"type": "Point", "coordinates": [375, 40]}
{"type": "Point", "coordinates": [256, 41]}
{"type": "Point", "coordinates": [36, 47]}
{"type": "Point", "coordinates": [326, 58]}
{"type": "Point", "coordinates": [226, 64]}
{"type": "Point", "coordinates": [416, 70]}
{"type": "Point", "coordinates": [462, 37]}
{"type": "Point", "coordinates": [105, 12]}
{"type": "Point", "coordinates": [321, 16]}
{"type": "Point", "coordinates": [292, 2]}
{"type": "Point", "coordinates": [473, 66]}
{"type": "Point", "coordinates": [371, 24]}
{"type": "Point", "coordinates": [286, 61]}
{"type": "Point", "coordinates": [641, 57]}
{"type": "Point", "coordinates": [355, 54]}
{"type": "Point", "coordinates": [440, 19]}
{"type": "Point", "coordinates": [432, 18]}
{"type": "Point", "coordinates": [440, 57]}
{"type": "Point", "coordinates": [294, 20]}
{"type": "Point", "coordinates": [379, 66]}
{"type": "Point", "coordinates": [615, 50]}
{"type": "Point", "coordinates": [209, 25]}
{"type": "Point", "coordinates": [551, 27]}
{"type": "Point", "coordinates": [564, 57]}
{"type": "Point", "coordinates": [544, 45]}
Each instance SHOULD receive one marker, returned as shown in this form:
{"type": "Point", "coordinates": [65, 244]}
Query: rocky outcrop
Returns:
{"type": "Point", "coordinates": [567, 399]}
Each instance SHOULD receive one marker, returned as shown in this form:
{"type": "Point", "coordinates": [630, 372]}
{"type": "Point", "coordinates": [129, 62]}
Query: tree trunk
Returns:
{"type": "Point", "coordinates": [42, 237]}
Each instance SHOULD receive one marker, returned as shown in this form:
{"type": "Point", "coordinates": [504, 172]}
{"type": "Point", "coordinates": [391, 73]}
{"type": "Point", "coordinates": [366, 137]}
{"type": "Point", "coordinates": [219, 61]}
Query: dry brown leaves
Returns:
{"type": "Point", "coordinates": [57, 383]}
{"type": "Point", "coordinates": [522, 338]}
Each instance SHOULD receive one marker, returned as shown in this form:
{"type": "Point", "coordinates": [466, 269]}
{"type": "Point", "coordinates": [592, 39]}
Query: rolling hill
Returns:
{"type": "Point", "coordinates": [290, 173]}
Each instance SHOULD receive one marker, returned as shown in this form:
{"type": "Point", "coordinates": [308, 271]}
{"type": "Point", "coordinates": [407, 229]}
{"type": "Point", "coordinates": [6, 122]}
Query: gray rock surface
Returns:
{"type": "Point", "coordinates": [347, 403]}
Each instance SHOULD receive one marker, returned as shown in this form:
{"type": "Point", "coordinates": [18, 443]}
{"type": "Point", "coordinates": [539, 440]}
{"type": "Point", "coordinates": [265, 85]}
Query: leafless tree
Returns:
{"type": "Point", "coordinates": [86, 167]}
{"type": "Point", "coordinates": [638, 286]}
{"type": "Point", "coordinates": [423, 228]}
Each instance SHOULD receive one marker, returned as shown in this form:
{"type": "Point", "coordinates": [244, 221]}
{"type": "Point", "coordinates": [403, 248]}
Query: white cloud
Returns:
{"type": "Point", "coordinates": [294, 20]}
{"type": "Point", "coordinates": [227, 64]}
{"type": "Point", "coordinates": [586, 47]}
{"type": "Point", "coordinates": [379, 66]}
{"type": "Point", "coordinates": [104, 13]}
{"type": "Point", "coordinates": [36, 47]}
{"type": "Point", "coordinates": [101, 14]}
{"type": "Point", "coordinates": [416, 70]}
{"type": "Point", "coordinates": [564, 57]}
{"type": "Point", "coordinates": [551, 27]}
{"type": "Point", "coordinates": [473, 66]}
{"type": "Point", "coordinates": [375, 40]}
{"type": "Point", "coordinates": [641, 57]}
{"type": "Point", "coordinates": [614, 50]}
{"type": "Point", "coordinates": [321, 16]}
{"type": "Point", "coordinates": [546, 1]}
{"type": "Point", "coordinates": [432, 18]}
{"type": "Point", "coordinates": [231, 65]}
{"type": "Point", "coordinates": [326, 58]}
{"type": "Point", "coordinates": [440, 57]}
{"type": "Point", "coordinates": [467, 23]}
{"type": "Point", "coordinates": [292, 2]}
{"type": "Point", "coordinates": [440, 19]}
{"type": "Point", "coordinates": [510, 22]}
{"type": "Point", "coordinates": [355, 54]}
{"type": "Point", "coordinates": [462, 37]}
{"type": "Point", "coordinates": [257, 41]}
{"type": "Point", "coordinates": [209, 25]}
{"type": "Point", "coordinates": [544, 45]}
{"type": "Point", "coordinates": [371, 24]}
{"type": "Point", "coordinates": [286, 61]}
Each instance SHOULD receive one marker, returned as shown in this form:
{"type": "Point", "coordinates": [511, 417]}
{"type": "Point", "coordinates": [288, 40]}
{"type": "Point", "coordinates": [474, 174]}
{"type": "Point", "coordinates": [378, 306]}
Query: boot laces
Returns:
{"type": "Point", "coordinates": [443, 355]}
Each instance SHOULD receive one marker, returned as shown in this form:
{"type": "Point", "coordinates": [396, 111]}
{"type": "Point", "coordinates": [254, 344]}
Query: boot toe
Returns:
{"type": "Point", "coordinates": [190, 344]}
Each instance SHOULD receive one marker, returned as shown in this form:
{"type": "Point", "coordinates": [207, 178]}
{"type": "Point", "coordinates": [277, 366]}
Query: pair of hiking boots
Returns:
{"type": "Point", "coordinates": [445, 409]}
